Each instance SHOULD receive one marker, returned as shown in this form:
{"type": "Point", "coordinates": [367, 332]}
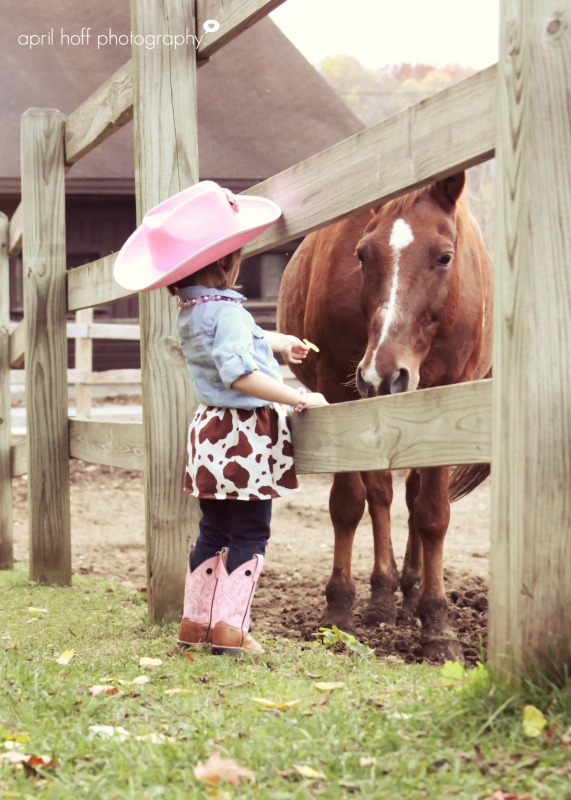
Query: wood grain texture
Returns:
{"type": "Point", "coordinates": [530, 591]}
{"type": "Point", "coordinates": [105, 111]}
{"type": "Point", "coordinates": [15, 231]}
{"type": "Point", "coordinates": [450, 131]}
{"type": "Point", "coordinates": [443, 426]}
{"type": "Point", "coordinates": [83, 363]}
{"type": "Point", "coordinates": [234, 17]}
{"type": "Point", "coordinates": [18, 344]}
{"type": "Point", "coordinates": [116, 444]}
{"type": "Point", "coordinates": [19, 458]}
{"type": "Point", "coordinates": [166, 161]}
{"type": "Point", "coordinates": [43, 201]}
{"type": "Point", "coordinates": [443, 134]}
{"type": "Point", "coordinates": [6, 533]}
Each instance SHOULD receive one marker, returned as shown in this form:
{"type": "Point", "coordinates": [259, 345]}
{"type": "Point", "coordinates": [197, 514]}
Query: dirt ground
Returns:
{"type": "Point", "coordinates": [108, 540]}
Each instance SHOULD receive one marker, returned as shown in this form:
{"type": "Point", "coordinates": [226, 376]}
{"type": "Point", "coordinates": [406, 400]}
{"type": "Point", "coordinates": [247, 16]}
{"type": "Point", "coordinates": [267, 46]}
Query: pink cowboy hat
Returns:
{"type": "Point", "coordinates": [188, 231]}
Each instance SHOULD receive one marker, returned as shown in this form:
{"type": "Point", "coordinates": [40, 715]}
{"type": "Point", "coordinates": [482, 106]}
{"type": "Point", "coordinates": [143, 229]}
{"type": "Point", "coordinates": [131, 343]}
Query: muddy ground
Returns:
{"type": "Point", "coordinates": [108, 540]}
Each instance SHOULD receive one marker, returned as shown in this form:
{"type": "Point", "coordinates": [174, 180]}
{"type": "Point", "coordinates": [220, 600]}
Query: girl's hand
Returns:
{"type": "Point", "coordinates": [294, 350]}
{"type": "Point", "coordinates": [315, 400]}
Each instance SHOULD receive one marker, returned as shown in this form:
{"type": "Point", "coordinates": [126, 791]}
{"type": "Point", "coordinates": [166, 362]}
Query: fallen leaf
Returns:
{"type": "Point", "coordinates": [139, 680]}
{"type": "Point", "coordinates": [12, 736]}
{"type": "Point", "coordinates": [150, 662]}
{"type": "Point", "coordinates": [37, 612]}
{"type": "Point", "coordinates": [275, 703]}
{"type": "Point", "coordinates": [154, 738]}
{"type": "Point", "coordinates": [566, 737]}
{"type": "Point", "coordinates": [218, 769]}
{"type": "Point", "coordinates": [329, 686]}
{"type": "Point", "coordinates": [453, 672]}
{"type": "Point", "coordinates": [17, 757]}
{"type": "Point", "coordinates": [533, 722]}
{"type": "Point", "coordinates": [367, 761]}
{"type": "Point", "coordinates": [309, 772]}
{"type": "Point", "coordinates": [109, 731]}
{"type": "Point", "coordinates": [65, 657]}
{"type": "Point", "coordinates": [102, 688]}
{"type": "Point", "coordinates": [172, 692]}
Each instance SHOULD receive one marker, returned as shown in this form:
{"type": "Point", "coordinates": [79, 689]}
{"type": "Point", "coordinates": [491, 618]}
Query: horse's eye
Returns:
{"type": "Point", "coordinates": [444, 260]}
{"type": "Point", "coordinates": [360, 255]}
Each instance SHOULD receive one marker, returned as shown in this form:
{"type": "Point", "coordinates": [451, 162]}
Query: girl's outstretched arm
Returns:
{"type": "Point", "coordinates": [258, 384]}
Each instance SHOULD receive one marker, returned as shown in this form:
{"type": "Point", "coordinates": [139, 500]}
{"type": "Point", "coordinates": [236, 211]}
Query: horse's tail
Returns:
{"type": "Point", "coordinates": [464, 479]}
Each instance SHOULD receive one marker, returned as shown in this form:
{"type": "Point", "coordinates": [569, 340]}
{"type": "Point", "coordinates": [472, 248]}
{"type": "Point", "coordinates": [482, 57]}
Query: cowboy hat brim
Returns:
{"type": "Point", "coordinates": [134, 268]}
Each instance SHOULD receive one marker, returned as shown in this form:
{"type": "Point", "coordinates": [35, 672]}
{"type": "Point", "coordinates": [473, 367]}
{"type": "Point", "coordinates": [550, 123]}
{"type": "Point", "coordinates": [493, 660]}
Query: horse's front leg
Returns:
{"type": "Point", "coordinates": [384, 578]}
{"type": "Point", "coordinates": [346, 506]}
{"type": "Point", "coordinates": [431, 517]}
{"type": "Point", "coordinates": [411, 576]}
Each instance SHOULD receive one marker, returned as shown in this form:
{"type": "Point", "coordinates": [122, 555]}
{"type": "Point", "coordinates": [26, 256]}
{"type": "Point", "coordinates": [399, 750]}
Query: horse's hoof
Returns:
{"type": "Point", "coordinates": [380, 610]}
{"type": "Point", "coordinates": [439, 650]}
{"type": "Point", "coordinates": [410, 587]}
{"type": "Point", "coordinates": [342, 618]}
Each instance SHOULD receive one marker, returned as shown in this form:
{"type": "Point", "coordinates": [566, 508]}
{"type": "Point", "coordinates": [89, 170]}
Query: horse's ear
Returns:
{"type": "Point", "coordinates": [447, 191]}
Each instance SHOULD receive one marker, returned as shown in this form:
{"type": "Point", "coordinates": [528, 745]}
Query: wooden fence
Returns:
{"type": "Point", "coordinates": [517, 110]}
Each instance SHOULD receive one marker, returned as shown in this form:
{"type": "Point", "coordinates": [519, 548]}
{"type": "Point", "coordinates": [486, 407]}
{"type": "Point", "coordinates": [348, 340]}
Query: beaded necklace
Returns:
{"type": "Point", "coordinates": [194, 301]}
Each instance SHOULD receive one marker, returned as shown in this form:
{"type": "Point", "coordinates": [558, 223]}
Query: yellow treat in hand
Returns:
{"type": "Point", "coordinates": [311, 345]}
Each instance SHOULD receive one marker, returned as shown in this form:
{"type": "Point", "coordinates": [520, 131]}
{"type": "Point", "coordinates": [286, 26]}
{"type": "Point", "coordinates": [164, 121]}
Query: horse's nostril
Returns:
{"type": "Point", "coordinates": [400, 381]}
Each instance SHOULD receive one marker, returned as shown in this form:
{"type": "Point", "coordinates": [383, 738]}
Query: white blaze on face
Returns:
{"type": "Point", "coordinates": [400, 238]}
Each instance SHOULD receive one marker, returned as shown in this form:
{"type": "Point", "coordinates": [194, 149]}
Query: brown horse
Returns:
{"type": "Point", "coordinates": [396, 298]}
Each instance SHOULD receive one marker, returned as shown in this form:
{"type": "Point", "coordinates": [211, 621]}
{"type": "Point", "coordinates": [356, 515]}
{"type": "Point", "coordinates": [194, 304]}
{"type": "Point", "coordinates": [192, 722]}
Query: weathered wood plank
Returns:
{"type": "Point", "coordinates": [166, 160]}
{"type": "Point", "coordinates": [43, 200]}
{"type": "Point", "coordinates": [115, 444]}
{"type": "Point", "coordinates": [6, 532]}
{"type": "Point", "coordinates": [107, 377]}
{"type": "Point", "coordinates": [83, 363]}
{"type": "Point", "coordinates": [15, 232]}
{"type": "Point", "coordinates": [530, 590]}
{"type": "Point", "coordinates": [444, 426]}
{"type": "Point", "coordinates": [103, 330]}
{"type": "Point", "coordinates": [93, 284]}
{"type": "Point", "coordinates": [452, 130]}
{"type": "Point", "coordinates": [233, 17]}
{"type": "Point", "coordinates": [18, 344]}
{"type": "Point", "coordinates": [19, 458]}
{"type": "Point", "coordinates": [105, 111]}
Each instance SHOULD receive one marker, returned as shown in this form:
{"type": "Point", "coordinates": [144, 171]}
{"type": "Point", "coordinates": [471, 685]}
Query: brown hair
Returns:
{"type": "Point", "coordinates": [221, 274]}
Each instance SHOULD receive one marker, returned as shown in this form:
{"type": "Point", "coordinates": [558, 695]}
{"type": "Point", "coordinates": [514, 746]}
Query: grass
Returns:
{"type": "Point", "coordinates": [389, 731]}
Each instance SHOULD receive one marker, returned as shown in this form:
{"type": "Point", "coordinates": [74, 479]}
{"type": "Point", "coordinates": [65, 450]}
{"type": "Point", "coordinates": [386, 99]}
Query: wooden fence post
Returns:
{"type": "Point", "coordinates": [43, 200]}
{"type": "Point", "coordinates": [530, 591]}
{"type": "Point", "coordinates": [6, 534]}
{"type": "Point", "coordinates": [83, 364]}
{"type": "Point", "coordinates": [166, 161]}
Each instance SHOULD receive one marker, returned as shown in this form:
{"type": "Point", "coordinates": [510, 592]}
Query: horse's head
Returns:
{"type": "Point", "coordinates": [409, 286]}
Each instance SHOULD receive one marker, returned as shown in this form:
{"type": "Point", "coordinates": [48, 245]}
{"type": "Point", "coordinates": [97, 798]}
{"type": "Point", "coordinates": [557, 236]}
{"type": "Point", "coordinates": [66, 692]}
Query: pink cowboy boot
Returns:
{"type": "Point", "coordinates": [231, 607]}
{"type": "Point", "coordinates": [195, 626]}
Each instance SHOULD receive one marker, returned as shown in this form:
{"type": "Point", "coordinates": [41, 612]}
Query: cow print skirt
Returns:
{"type": "Point", "coordinates": [240, 454]}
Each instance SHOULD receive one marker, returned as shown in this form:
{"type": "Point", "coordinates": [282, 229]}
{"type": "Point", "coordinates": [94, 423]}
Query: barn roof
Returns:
{"type": "Point", "coordinates": [262, 106]}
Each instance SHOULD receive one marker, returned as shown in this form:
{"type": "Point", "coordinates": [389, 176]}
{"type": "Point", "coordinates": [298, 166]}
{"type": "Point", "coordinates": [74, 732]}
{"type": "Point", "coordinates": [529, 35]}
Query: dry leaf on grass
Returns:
{"type": "Point", "coordinates": [533, 722]}
{"type": "Point", "coordinates": [309, 772]}
{"type": "Point", "coordinates": [110, 732]}
{"type": "Point", "coordinates": [217, 768]}
{"type": "Point", "coordinates": [171, 692]}
{"type": "Point", "coordinates": [138, 681]}
{"type": "Point", "coordinates": [149, 663]}
{"type": "Point", "coordinates": [65, 657]}
{"type": "Point", "coordinates": [329, 686]}
{"type": "Point", "coordinates": [17, 757]}
{"type": "Point", "coordinates": [275, 703]}
{"type": "Point", "coordinates": [102, 688]}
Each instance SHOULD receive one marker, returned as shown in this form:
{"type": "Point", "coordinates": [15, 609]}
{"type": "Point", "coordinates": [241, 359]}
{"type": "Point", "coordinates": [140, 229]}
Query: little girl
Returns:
{"type": "Point", "coordinates": [239, 446]}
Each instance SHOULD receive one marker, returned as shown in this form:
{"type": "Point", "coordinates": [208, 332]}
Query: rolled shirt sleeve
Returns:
{"type": "Point", "coordinates": [233, 347]}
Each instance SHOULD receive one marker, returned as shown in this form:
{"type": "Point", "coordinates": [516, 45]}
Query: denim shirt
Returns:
{"type": "Point", "coordinates": [221, 342]}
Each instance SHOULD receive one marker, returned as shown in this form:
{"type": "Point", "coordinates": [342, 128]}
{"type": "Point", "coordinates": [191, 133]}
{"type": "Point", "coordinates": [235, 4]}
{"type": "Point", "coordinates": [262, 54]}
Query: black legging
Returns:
{"type": "Point", "coordinates": [243, 526]}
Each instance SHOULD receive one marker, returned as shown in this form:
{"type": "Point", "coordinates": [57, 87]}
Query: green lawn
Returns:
{"type": "Point", "coordinates": [385, 730]}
